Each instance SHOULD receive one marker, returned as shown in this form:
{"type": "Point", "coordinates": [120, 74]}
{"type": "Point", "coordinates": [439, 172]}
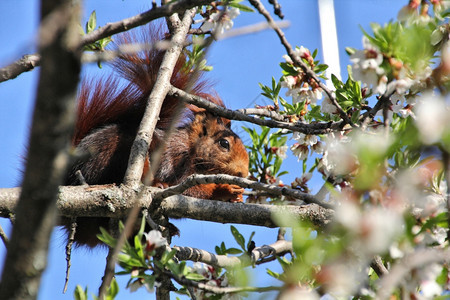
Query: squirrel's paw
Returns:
{"type": "Point", "coordinates": [228, 192]}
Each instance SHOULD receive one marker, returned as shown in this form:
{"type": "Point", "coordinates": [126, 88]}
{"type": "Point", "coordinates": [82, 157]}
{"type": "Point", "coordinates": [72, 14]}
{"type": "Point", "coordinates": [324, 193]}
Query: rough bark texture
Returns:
{"type": "Point", "coordinates": [47, 155]}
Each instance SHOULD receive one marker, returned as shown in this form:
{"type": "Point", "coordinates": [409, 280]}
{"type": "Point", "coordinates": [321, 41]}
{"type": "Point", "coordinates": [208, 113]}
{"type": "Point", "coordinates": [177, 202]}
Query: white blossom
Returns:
{"type": "Point", "coordinates": [429, 286]}
{"type": "Point", "coordinates": [328, 107]}
{"type": "Point", "coordinates": [297, 292]}
{"type": "Point", "coordinates": [338, 157]}
{"type": "Point", "coordinates": [367, 64]}
{"type": "Point", "coordinates": [300, 151]}
{"type": "Point", "coordinates": [305, 139]}
{"type": "Point", "coordinates": [432, 118]}
{"type": "Point", "coordinates": [302, 180]}
{"type": "Point", "coordinates": [154, 239]}
{"type": "Point", "coordinates": [373, 229]}
{"type": "Point", "coordinates": [225, 23]}
{"type": "Point", "coordinates": [289, 82]}
{"type": "Point", "coordinates": [395, 252]}
{"type": "Point", "coordinates": [281, 151]}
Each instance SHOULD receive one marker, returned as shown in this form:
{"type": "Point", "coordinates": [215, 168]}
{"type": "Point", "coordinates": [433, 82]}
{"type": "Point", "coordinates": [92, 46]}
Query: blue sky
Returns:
{"type": "Point", "coordinates": [239, 65]}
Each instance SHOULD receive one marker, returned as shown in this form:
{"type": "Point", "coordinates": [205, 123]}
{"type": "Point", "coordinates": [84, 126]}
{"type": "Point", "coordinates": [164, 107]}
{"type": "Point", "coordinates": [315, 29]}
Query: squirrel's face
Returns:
{"type": "Point", "coordinates": [218, 150]}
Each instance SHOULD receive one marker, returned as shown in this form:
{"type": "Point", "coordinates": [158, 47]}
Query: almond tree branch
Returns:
{"type": "Point", "coordinates": [242, 182]}
{"type": "Point", "coordinates": [25, 64]}
{"type": "Point", "coordinates": [310, 73]}
{"type": "Point", "coordinates": [145, 132]}
{"type": "Point", "coordinates": [219, 290]}
{"type": "Point", "coordinates": [113, 202]}
{"type": "Point", "coordinates": [278, 248]}
{"type": "Point", "coordinates": [315, 128]}
{"type": "Point", "coordinates": [144, 135]}
{"type": "Point", "coordinates": [28, 62]}
{"type": "Point", "coordinates": [47, 157]}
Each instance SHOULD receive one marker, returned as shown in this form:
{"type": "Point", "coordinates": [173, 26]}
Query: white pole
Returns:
{"type": "Point", "coordinates": [328, 32]}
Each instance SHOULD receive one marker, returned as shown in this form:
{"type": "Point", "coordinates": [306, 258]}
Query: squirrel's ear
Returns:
{"type": "Point", "coordinates": [224, 122]}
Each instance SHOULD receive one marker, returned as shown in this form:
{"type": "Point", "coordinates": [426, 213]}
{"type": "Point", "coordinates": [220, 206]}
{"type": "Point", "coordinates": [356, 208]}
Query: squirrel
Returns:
{"type": "Point", "coordinates": [109, 113]}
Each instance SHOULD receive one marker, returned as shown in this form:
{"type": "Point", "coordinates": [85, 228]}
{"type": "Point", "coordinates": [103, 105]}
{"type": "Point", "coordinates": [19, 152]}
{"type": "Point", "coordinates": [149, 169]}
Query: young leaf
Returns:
{"type": "Point", "coordinates": [238, 237]}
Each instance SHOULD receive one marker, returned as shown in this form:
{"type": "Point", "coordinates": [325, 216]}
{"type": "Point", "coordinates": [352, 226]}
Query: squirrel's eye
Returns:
{"type": "Point", "coordinates": [224, 144]}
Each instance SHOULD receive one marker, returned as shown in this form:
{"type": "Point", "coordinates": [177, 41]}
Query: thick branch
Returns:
{"type": "Point", "coordinates": [47, 157]}
{"type": "Point", "coordinates": [316, 128]}
{"type": "Point", "coordinates": [112, 201]}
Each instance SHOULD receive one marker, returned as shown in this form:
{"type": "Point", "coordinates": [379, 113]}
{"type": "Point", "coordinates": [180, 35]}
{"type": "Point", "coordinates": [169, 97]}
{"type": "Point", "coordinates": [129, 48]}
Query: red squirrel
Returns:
{"type": "Point", "coordinates": [109, 113]}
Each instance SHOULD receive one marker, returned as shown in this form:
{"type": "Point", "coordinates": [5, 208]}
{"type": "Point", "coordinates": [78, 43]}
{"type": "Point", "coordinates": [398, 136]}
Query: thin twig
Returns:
{"type": "Point", "coordinates": [313, 129]}
{"type": "Point", "coordinates": [29, 62]}
{"type": "Point", "coordinates": [378, 266]}
{"type": "Point", "coordinates": [70, 241]}
{"type": "Point", "coordinates": [310, 73]}
{"type": "Point", "coordinates": [219, 290]}
{"type": "Point", "coordinates": [242, 182]}
{"type": "Point", "coordinates": [276, 8]}
{"type": "Point", "coordinates": [250, 29]}
{"type": "Point", "coordinates": [4, 237]}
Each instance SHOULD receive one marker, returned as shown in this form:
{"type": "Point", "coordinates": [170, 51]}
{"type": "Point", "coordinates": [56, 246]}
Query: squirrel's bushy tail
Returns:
{"type": "Point", "coordinates": [122, 97]}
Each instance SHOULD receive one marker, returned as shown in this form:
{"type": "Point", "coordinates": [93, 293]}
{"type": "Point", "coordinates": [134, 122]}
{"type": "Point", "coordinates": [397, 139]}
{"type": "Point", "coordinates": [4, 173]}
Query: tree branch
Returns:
{"type": "Point", "coordinates": [310, 73]}
{"type": "Point", "coordinates": [145, 132]}
{"type": "Point", "coordinates": [242, 182]}
{"type": "Point", "coordinates": [47, 157]}
{"type": "Point", "coordinates": [28, 62]}
{"type": "Point", "coordinates": [113, 202]}
{"type": "Point", "coordinates": [316, 128]}
{"type": "Point", "coordinates": [278, 248]}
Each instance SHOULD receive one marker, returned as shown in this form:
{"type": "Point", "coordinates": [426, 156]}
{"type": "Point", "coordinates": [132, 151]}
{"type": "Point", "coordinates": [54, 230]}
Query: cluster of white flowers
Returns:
{"type": "Point", "coordinates": [373, 229]}
{"type": "Point", "coordinates": [212, 279]}
{"type": "Point", "coordinates": [221, 20]}
{"type": "Point", "coordinates": [303, 143]}
{"type": "Point", "coordinates": [298, 87]}
{"type": "Point", "coordinates": [367, 66]}
{"type": "Point", "coordinates": [338, 157]}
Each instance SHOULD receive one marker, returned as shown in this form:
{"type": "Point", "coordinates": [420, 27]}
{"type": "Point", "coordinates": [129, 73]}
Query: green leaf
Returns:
{"type": "Point", "coordinates": [92, 22]}
{"type": "Point", "coordinates": [238, 237]}
{"type": "Point", "coordinates": [79, 293]}
{"type": "Point", "coordinates": [106, 238]}
{"type": "Point", "coordinates": [234, 251]}
{"type": "Point", "coordinates": [195, 276]}
{"type": "Point", "coordinates": [273, 274]}
{"type": "Point", "coordinates": [113, 290]}
{"type": "Point", "coordinates": [241, 7]}
{"type": "Point", "coordinates": [168, 255]}
{"type": "Point", "coordinates": [336, 82]}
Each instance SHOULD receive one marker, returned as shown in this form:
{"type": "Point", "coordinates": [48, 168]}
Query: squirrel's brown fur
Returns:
{"type": "Point", "coordinates": [109, 114]}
